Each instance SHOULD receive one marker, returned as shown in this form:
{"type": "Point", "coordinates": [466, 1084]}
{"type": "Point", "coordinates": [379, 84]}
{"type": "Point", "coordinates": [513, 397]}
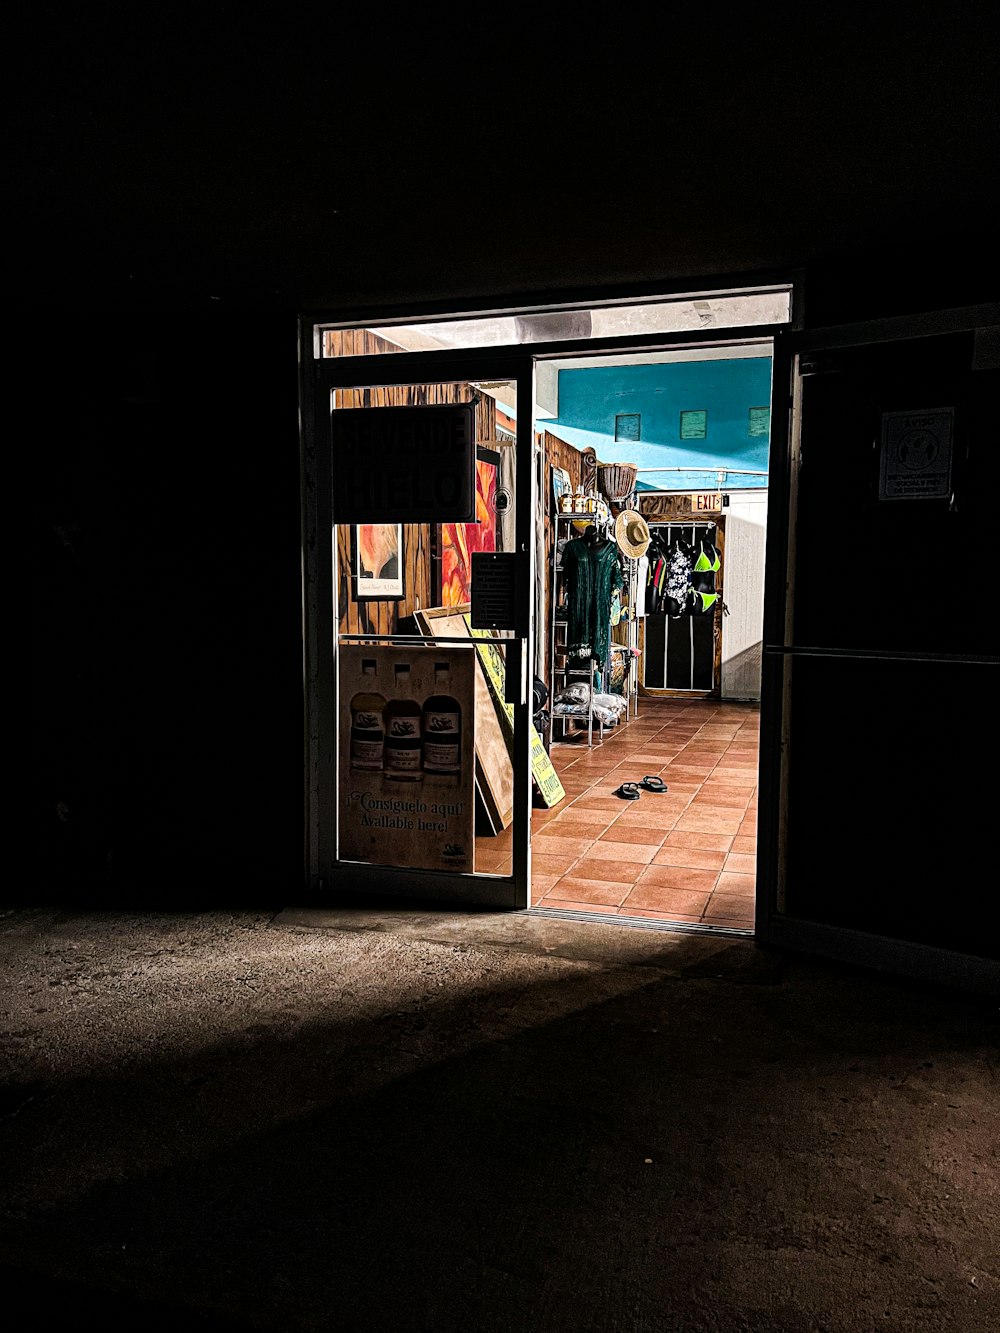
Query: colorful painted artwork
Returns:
{"type": "Point", "coordinates": [378, 560]}
{"type": "Point", "coordinates": [459, 540]}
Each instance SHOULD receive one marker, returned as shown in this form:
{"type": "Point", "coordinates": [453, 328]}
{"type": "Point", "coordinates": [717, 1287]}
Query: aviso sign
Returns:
{"type": "Point", "coordinates": [404, 464]}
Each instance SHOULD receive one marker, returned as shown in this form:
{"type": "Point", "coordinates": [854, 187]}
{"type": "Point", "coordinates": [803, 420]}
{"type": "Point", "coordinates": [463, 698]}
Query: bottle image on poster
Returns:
{"type": "Point", "coordinates": [442, 729]}
{"type": "Point", "coordinates": [407, 759]}
{"type": "Point", "coordinates": [367, 721]}
{"type": "Point", "coordinates": [403, 749]}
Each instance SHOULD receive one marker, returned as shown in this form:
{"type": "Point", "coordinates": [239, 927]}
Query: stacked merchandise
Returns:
{"type": "Point", "coordinates": [577, 701]}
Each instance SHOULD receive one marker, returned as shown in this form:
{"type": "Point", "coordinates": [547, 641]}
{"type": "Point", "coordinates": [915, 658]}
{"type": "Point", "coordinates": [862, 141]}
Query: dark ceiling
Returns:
{"type": "Point", "coordinates": [173, 158]}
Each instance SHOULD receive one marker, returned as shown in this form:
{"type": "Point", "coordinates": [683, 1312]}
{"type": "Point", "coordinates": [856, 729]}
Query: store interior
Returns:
{"type": "Point", "coordinates": [650, 518]}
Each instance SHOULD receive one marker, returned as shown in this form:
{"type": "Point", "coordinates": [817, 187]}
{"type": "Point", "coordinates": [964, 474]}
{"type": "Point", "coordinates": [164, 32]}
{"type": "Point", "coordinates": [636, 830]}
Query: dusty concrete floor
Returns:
{"type": "Point", "coordinates": [419, 1122]}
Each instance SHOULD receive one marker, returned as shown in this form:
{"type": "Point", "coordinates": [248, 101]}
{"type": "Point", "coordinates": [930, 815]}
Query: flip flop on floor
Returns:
{"type": "Point", "coordinates": [653, 783]}
{"type": "Point", "coordinates": [628, 791]}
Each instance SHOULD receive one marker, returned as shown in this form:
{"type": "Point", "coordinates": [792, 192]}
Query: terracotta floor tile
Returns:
{"type": "Point", "coordinates": [715, 822]}
{"type": "Point", "coordinates": [540, 884]}
{"type": "Point", "coordinates": [659, 898]}
{"type": "Point", "coordinates": [684, 772]}
{"type": "Point", "coordinates": [730, 905]}
{"type": "Point", "coordinates": [555, 864]}
{"type": "Point", "coordinates": [651, 834]}
{"type": "Point", "coordinates": [690, 879]}
{"type": "Point", "coordinates": [576, 828]}
{"type": "Point", "coordinates": [574, 889]}
{"type": "Point", "coordinates": [709, 807]}
{"type": "Point", "coordinates": [639, 852]}
{"type": "Point", "coordinates": [720, 797]}
{"type": "Point", "coordinates": [603, 804]}
{"type": "Point", "coordinates": [744, 844]}
{"type": "Point", "coordinates": [547, 844]}
{"type": "Point", "coordinates": [740, 863]}
{"type": "Point", "coordinates": [743, 886]}
{"type": "Point", "coordinates": [605, 869]}
{"type": "Point", "coordinates": [709, 842]}
{"type": "Point", "coordinates": [694, 858]}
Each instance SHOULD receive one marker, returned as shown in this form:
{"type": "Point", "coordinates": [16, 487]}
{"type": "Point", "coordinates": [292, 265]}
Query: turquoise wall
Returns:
{"type": "Point", "coordinates": [590, 398]}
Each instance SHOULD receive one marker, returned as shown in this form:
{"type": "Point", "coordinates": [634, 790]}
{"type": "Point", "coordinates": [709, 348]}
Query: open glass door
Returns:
{"type": "Point", "coordinates": [878, 683]}
{"type": "Point", "coordinates": [418, 538]}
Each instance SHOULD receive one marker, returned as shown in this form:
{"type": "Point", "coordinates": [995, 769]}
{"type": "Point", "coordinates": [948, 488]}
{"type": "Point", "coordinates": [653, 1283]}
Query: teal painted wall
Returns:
{"type": "Point", "coordinates": [590, 398]}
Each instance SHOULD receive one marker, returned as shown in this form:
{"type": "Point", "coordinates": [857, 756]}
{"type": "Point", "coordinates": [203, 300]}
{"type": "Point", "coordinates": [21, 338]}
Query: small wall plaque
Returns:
{"type": "Point", "coordinates": [916, 454]}
{"type": "Point", "coordinates": [694, 425]}
{"type": "Point", "coordinates": [493, 590]}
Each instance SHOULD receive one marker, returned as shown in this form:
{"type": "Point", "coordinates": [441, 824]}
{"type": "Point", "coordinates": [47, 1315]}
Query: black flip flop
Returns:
{"type": "Point", "coordinates": [628, 791]}
{"type": "Point", "coordinates": [653, 783]}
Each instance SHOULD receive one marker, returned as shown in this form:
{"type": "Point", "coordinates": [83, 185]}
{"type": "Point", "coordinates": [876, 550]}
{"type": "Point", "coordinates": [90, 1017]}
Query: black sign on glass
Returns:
{"type": "Point", "coordinates": [404, 464]}
{"type": "Point", "coordinates": [493, 590]}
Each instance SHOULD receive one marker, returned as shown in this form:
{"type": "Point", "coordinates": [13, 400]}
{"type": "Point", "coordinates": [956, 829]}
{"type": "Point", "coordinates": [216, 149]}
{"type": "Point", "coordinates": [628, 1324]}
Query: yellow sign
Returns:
{"type": "Point", "coordinates": [706, 502]}
{"type": "Point", "coordinates": [546, 777]}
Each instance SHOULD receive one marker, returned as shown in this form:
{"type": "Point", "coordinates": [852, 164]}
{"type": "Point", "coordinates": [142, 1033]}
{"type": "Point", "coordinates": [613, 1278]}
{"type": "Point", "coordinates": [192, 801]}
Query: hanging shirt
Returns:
{"type": "Point", "coordinates": [642, 577]}
{"type": "Point", "coordinates": [592, 575]}
{"type": "Point", "coordinates": [680, 564]}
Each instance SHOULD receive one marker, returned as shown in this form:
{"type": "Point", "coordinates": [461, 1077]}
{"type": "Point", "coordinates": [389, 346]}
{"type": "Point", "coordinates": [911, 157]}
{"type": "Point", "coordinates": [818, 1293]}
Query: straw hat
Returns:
{"type": "Point", "coordinates": [632, 533]}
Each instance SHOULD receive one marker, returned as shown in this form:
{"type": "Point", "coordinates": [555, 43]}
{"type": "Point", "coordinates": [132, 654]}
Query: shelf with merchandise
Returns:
{"type": "Point", "coordinates": [622, 666]}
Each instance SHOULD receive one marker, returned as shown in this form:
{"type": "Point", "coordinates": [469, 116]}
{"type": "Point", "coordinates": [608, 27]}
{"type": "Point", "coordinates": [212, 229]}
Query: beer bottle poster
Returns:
{"type": "Point", "coordinates": [407, 756]}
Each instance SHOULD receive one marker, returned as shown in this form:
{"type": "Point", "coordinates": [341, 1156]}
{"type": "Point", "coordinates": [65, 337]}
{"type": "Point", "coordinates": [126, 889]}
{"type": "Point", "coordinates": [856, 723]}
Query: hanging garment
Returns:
{"type": "Point", "coordinates": [705, 568]}
{"type": "Point", "coordinates": [680, 565]}
{"type": "Point", "coordinates": [703, 594]}
{"type": "Point", "coordinates": [592, 575]}
{"type": "Point", "coordinates": [700, 603]}
{"type": "Point", "coordinates": [654, 587]}
{"type": "Point", "coordinates": [641, 579]}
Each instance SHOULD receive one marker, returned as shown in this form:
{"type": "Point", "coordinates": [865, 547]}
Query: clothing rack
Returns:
{"type": "Point", "coordinates": [562, 676]}
{"type": "Point", "coordinates": [687, 528]}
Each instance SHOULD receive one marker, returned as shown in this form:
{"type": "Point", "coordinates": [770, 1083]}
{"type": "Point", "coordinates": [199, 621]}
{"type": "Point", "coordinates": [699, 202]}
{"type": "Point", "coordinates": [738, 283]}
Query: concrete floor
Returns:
{"type": "Point", "coordinates": [429, 1121]}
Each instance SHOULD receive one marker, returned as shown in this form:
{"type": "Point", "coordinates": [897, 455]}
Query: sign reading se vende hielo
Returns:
{"type": "Point", "coordinates": [404, 464]}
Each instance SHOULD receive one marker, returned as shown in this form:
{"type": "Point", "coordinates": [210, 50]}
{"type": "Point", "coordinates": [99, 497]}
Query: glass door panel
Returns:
{"type": "Point", "coordinates": [424, 792]}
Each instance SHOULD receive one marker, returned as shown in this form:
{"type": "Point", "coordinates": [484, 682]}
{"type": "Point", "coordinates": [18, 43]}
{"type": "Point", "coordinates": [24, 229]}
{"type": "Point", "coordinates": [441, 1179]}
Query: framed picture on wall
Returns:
{"type": "Point", "coordinates": [377, 561]}
{"type": "Point", "coordinates": [455, 543]}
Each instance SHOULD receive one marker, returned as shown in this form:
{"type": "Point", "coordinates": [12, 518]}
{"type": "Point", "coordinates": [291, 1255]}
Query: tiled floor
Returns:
{"type": "Point", "coordinates": [686, 855]}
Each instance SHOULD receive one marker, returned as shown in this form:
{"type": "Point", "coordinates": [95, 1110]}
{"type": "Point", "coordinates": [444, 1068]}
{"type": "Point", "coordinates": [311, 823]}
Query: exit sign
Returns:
{"type": "Point", "coordinates": [708, 502]}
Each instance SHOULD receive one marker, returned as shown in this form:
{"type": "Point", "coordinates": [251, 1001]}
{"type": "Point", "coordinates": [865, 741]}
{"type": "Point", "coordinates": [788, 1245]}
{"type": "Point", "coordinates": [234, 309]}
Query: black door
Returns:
{"type": "Point", "coordinates": [878, 814]}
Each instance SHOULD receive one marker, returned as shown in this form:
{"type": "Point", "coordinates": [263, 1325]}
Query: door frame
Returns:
{"type": "Point", "coordinates": [773, 924]}
{"type": "Point", "coordinates": [319, 375]}
{"type": "Point", "coordinates": [322, 636]}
